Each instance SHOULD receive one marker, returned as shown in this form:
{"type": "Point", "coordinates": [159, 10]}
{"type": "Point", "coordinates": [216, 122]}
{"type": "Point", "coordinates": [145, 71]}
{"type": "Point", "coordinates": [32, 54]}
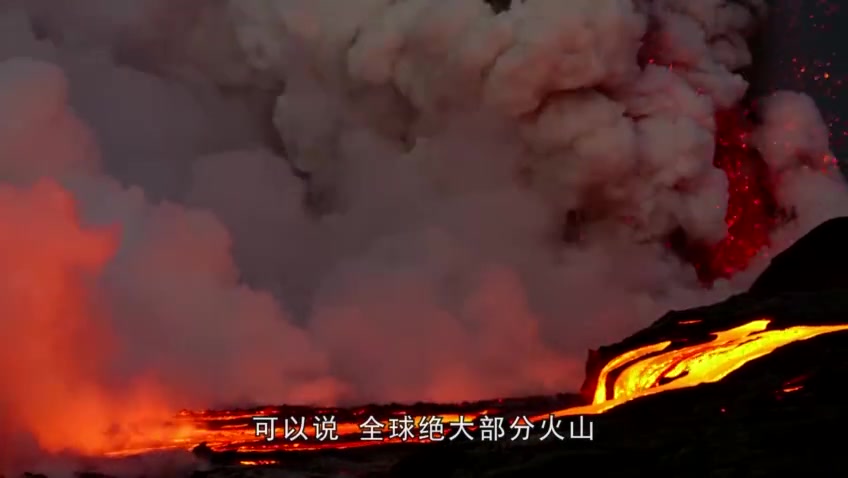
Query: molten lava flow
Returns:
{"type": "Point", "coordinates": [648, 370]}
{"type": "Point", "coordinates": [641, 372]}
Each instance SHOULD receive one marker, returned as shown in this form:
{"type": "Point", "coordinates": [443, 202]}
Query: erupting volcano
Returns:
{"type": "Point", "coordinates": [640, 372]}
{"type": "Point", "coordinates": [701, 346]}
{"type": "Point", "coordinates": [694, 354]}
{"type": "Point", "coordinates": [268, 213]}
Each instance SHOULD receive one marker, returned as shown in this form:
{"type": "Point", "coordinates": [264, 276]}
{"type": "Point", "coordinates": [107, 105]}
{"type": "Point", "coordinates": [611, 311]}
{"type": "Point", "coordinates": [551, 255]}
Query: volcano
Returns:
{"type": "Point", "coordinates": [747, 384]}
{"type": "Point", "coordinates": [478, 179]}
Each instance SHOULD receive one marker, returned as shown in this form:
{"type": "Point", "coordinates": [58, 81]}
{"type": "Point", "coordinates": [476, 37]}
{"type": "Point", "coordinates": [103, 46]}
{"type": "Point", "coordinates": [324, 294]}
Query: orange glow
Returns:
{"type": "Point", "coordinates": [51, 363]}
{"type": "Point", "coordinates": [644, 371]}
{"type": "Point", "coordinates": [53, 375]}
{"type": "Point", "coordinates": [693, 365]}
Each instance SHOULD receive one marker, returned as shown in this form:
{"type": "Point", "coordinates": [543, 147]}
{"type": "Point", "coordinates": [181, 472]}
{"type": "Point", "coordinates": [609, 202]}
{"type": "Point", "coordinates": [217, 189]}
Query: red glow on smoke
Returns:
{"type": "Point", "coordinates": [751, 207]}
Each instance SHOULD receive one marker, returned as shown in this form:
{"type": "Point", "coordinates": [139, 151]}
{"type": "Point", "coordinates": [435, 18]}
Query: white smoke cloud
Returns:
{"type": "Point", "coordinates": [444, 145]}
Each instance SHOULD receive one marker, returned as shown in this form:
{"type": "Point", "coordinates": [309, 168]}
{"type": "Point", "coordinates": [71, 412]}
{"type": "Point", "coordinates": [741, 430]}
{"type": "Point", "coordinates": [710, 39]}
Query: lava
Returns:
{"type": "Point", "coordinates": [637, 373]}
{"type": "Point", "coordinates": [650, 369]}
{"type": "Point", "coordinates": [752, 211]}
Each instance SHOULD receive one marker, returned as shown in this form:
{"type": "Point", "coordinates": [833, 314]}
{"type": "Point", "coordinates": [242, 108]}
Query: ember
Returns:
{"type": "Point", "coordinates": [751, 207]}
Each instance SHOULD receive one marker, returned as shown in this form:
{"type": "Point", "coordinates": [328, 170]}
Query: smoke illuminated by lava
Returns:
{"type": "Point", "coordinates": [164, 255]}
{"type": "Point", "coordinates": [53, 324]}
{"type": "Point", "coordinates": [638, 373]}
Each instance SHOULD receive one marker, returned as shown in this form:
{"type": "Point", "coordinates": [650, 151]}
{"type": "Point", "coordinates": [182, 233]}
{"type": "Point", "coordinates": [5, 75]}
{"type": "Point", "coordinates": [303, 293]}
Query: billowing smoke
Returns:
{"type": "Point", "coordinates": [211, 203]}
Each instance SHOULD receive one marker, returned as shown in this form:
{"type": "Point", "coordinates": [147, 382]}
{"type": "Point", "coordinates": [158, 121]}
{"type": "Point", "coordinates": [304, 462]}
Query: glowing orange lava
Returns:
{"type": "Point", "coordinates": [55, 341]}
{"type": "Point", "coordinates": [648, 370]}
{"type": "Point", "coordinates": [644, 371]}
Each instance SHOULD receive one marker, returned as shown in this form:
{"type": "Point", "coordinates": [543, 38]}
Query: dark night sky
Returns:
{"type": "Point", "coordinates": [805, 48]}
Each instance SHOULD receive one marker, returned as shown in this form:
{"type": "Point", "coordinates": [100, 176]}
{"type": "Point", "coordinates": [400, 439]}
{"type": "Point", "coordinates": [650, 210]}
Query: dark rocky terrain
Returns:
{"type": "Point", "coordinates": [755, 422]}
{"type": "Point", "coordinates": [782, 413]}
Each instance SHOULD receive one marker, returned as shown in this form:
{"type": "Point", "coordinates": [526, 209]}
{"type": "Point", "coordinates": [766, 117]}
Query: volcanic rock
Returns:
{"type": "Point", "coordinates": [818, 261]}
{"type": "Point", "coordinates": [814, 268]}
{"type": "Point", "coordinates": [772, 416]}
{"type": "Point", "coordinates": [778, 414]}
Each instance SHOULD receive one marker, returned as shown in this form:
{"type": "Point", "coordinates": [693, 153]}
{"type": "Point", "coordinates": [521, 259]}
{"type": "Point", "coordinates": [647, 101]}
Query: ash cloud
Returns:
{"type": "Point", "coordinates": [267, 201]}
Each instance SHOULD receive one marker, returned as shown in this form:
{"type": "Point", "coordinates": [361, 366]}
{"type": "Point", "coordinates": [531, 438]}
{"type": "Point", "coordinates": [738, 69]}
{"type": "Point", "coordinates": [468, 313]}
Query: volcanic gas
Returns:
{"type": "Point", "coordinates": [220, 205]}
{"type": "Point", "coordinates": [634, 374]}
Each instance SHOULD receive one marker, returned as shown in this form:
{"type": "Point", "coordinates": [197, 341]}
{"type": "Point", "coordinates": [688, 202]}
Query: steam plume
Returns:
{"type": "Point", "coordinates": [166, 251]}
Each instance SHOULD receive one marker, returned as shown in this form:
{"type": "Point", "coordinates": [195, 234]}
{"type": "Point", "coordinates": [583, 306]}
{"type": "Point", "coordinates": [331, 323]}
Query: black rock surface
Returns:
{"type": "Point", "coordinates": [782, 413]}
{"type": "Point", "coordinates": [775, 415]}
{"type": "Point", "coordinates": [818, 261]}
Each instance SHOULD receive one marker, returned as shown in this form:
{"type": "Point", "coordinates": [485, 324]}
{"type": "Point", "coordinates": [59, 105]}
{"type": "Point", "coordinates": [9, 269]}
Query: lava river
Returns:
{"type": "Point", "coordinates": [638, 373]}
